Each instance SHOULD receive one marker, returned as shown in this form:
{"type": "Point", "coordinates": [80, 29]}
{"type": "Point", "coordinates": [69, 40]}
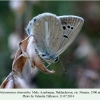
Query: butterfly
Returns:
{"type": "Point", "coordinates": [53, 34]}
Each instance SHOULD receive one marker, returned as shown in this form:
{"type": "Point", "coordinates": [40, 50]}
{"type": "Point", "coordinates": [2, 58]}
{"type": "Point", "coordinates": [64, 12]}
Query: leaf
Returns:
{"type": "Point", "coordinates": [18, 64]}
{"type": "Point", "coordinates": [38, 63]}
{"type": "Point", "coordinates": [5, 82]}
{"type": "Point", "coordinates": [28, 50]}
{"type": "Point", "coordinates": [13, 81]}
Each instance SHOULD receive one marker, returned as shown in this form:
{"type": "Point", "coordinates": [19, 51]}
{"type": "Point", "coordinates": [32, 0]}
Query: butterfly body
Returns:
{"type": "Point", "coordinates": [53, 34]}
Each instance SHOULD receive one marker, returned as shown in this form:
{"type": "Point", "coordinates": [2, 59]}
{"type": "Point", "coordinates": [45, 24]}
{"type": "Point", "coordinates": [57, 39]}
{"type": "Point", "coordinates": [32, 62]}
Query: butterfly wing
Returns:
{"type": "Point", "coordinates": [47, 30]}
{"type": "Point", "coordinates": [54, 34]}
{"type": "Point", "coordinates": [71, 27]}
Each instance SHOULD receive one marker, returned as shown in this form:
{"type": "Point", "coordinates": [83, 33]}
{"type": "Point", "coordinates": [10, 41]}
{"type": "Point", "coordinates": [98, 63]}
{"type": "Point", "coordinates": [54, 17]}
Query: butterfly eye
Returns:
{"type": "Point", "coordinates": [64, 27]}
{"type": "Point", "coordinates": [34, 20]}
{"type": "Point", "coordinates": [56, 59]}
{"type": "Point", "coordinates": [43, 55]}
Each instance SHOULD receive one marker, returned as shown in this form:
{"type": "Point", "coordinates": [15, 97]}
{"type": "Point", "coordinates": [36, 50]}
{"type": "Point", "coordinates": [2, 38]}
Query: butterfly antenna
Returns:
{"type": "Point", "coordinates": [63, 67]}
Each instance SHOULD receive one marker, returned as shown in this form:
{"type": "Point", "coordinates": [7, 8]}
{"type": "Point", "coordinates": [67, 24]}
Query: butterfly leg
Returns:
{"type": "Point", "coordinates": [48, 65]}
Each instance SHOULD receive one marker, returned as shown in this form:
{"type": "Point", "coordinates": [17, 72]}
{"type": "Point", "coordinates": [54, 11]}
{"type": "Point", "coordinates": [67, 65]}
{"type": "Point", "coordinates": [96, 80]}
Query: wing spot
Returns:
{"type": "Point", "coordinates": [28, 31]}
{"type": "Point", "coordinates": [34, 20]}
{"type": "Point", "coordinates": [68, 26]}
{"type": "Point", "coordinates": [30, 23]}
{"type": "Point", "coordinates": [72, 27]}
{"type": "Point", "coordinates": [64, 27]}
{"type": "Point", "coordinates": [65, 36]}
